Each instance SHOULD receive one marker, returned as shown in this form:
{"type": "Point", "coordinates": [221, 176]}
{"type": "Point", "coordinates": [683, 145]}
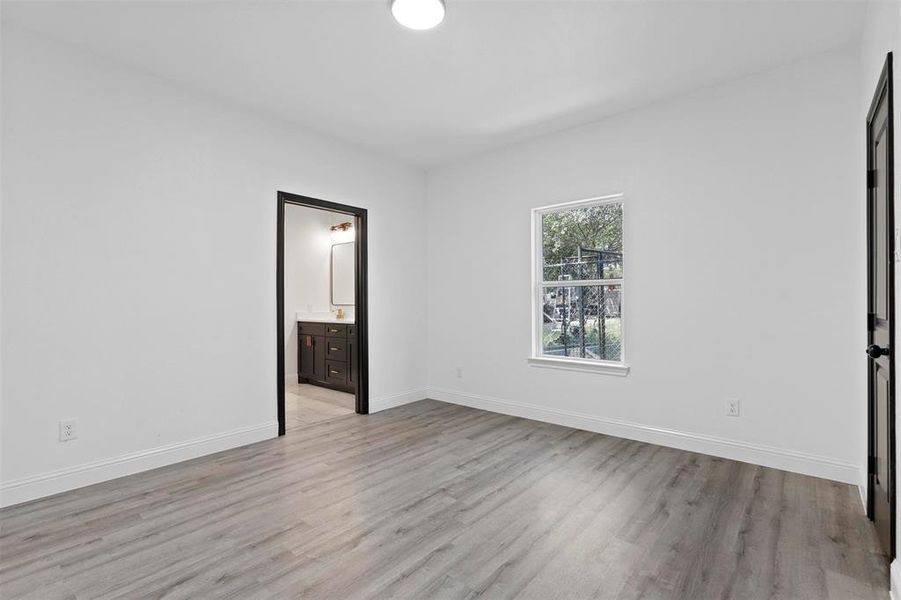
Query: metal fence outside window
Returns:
{"type": "Point", "coordinates": [584, 321]}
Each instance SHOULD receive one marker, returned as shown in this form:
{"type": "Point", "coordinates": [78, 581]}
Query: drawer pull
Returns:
{"type": "Point", "coordinates": [334, 349]}
{"type": "Point", "coordinates": [334, 372]}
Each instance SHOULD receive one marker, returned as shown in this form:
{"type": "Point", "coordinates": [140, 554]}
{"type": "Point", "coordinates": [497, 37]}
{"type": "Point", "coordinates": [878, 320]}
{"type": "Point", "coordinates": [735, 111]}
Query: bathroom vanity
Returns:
{"type": "Point", "coordinates": [326, 340]}
{"type": "Point", "coordinates": [325, 353]}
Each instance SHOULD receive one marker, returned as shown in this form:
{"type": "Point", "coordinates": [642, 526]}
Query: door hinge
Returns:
{"type": "Point", "coordinates": [871, 464]}
{"type": "Point", "coordinates": [871, 179]}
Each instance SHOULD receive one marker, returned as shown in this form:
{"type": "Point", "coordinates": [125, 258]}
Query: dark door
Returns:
{"type": "Point", "coordinates": [880, 320]}
{"type": "Point", "coordinates": [351, 356]}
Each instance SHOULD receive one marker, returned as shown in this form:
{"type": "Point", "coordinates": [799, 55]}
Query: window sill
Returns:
{"type": "Point", "coordinates": [574, 364]}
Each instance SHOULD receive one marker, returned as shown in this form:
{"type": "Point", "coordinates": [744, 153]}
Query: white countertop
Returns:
{"type": "Point", "coordinates": [321, 318]}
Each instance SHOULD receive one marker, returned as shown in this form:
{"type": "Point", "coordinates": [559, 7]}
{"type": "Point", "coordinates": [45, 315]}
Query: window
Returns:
{"type": "Point", "coordinates": [578, 285]}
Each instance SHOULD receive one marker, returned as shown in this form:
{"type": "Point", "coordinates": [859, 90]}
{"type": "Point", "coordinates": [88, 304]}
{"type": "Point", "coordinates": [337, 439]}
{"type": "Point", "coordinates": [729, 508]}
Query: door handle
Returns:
{"type": "Point", "coordinates": [874, 351]}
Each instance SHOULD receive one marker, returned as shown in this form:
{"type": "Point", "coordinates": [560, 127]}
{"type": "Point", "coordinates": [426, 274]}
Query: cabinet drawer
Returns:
{"type": "Point", "coordinates": [336, 349]}
{"type": "Point", "coordinates": [333, 330]}
{"type": "Point", "coordinates": [307, 328]}
{"type": "Point", "coordinates": [336, 372]}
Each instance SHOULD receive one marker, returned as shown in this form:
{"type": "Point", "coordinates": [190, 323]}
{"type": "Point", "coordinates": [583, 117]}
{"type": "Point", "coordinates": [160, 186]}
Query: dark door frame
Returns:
{"type": "Point", "coordinates": [361, 296]}
{"type": "Point", "coordinates": [883, 91]}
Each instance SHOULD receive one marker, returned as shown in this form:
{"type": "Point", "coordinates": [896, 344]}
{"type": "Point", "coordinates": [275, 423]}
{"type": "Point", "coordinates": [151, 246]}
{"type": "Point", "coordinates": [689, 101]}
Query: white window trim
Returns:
{"type": "Point", "coordinates": [536, 358]}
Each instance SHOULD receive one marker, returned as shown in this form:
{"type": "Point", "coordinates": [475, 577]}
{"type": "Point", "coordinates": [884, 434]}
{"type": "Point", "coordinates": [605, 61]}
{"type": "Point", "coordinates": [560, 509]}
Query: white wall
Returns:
{"type": "Point", "coordinates": [138, 251]}
{"type": "Point", "coordinates": [744, 271]}
{"type": "Point", "coordinates": [138, 258]}
{"type": "Point", "coordinates": [308, 245]}
{"type": "Point", "coordinates": [881, 34]}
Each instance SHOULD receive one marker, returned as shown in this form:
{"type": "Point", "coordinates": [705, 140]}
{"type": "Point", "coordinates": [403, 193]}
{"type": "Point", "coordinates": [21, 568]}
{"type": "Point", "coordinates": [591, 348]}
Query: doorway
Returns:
{"type": "Point", "coordinates": [881, 312]}
{"type": "Point", "coordinates": [332, 347]}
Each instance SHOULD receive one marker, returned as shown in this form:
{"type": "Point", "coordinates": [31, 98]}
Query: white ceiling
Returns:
{"type": "Point", "coordinates": [495, 72]}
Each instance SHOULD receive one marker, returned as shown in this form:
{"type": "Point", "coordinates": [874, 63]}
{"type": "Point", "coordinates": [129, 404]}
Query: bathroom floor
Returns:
{"type": "Point", "coordinates": [306, 404]}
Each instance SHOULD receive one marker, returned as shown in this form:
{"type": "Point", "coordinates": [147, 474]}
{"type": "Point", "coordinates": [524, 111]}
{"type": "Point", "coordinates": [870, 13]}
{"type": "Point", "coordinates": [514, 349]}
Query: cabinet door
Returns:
{"type": "Point", "coordinates": [311, 357]}
{"type": "Point", "coordinates": [305, 356]}
{"type": "Point", "coordinates": [319, 358]}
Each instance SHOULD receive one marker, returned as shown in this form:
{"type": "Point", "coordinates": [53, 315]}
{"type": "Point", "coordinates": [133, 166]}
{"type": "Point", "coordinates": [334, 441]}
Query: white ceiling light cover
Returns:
{"type": "Point", "coordinates": [418, 14]}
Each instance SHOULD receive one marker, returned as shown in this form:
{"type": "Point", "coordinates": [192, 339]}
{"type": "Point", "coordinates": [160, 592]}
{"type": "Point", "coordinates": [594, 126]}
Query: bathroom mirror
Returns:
{"type": "Point", "coordinates": [342, 278]}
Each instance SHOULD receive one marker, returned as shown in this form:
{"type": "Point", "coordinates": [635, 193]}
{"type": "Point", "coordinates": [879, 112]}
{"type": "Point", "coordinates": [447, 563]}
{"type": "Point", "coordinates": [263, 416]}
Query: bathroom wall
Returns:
{"type": "Point", "coordinates": [308, 244]}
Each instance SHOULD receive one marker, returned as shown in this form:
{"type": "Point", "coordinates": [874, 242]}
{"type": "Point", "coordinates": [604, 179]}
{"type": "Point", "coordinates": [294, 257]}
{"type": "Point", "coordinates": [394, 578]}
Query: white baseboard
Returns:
{"type": "Point", "coordinates": [787, 460]}
{"type": "Point", "coordinates": [895, 580]}
{"type": "Point", "coordinates": [386, 402]}
{"type": "Point", "coordinates": [862, 485]}
{"type": "Point", "coordinates": [62, 480]}
{"type": "Point", "coordinates": [290, 377]}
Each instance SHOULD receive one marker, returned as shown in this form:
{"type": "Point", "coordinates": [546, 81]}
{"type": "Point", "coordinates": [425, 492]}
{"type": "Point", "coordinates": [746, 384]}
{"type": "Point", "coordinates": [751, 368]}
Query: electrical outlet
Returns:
{"type": "Point", "coordinates": [732, 407]}
{"type": "Point", "coordinates": [68, 430]}
{"type": "Point", "coordinates": [459, 372]}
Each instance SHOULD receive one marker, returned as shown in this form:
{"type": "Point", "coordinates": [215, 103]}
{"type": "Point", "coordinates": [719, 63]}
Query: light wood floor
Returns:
{"type": "Point", "coordinates": [432, 500]}
{"type": "Point", "coordinates": [306, 404]}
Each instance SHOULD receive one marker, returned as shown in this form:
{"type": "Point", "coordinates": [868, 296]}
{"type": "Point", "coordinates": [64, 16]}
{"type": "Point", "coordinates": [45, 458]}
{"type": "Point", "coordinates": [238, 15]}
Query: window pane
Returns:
{"type": "Point", "coordinates": [582, 322]}
{"type": "Point", "coordinates": [583, 243]}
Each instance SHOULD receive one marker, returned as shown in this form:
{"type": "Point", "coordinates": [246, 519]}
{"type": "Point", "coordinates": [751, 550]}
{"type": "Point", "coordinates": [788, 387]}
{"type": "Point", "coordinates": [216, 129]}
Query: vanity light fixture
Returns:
{"type": "Point", "coordinates": [418, 14]}
{"type": "Point", "coordinates": [343, 232]}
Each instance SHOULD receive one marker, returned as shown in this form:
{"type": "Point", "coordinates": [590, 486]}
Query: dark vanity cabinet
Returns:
{"type": "Point", "coordinates": [325, 355]}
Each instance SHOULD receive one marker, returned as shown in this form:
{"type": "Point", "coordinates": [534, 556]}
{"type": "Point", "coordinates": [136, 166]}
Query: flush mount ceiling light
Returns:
{"type": "Point", "coordinates": [418, 14]}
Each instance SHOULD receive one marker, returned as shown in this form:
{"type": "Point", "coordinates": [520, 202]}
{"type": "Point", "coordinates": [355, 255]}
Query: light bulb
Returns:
{"type": "Point", "coordinates": [418, 14]}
